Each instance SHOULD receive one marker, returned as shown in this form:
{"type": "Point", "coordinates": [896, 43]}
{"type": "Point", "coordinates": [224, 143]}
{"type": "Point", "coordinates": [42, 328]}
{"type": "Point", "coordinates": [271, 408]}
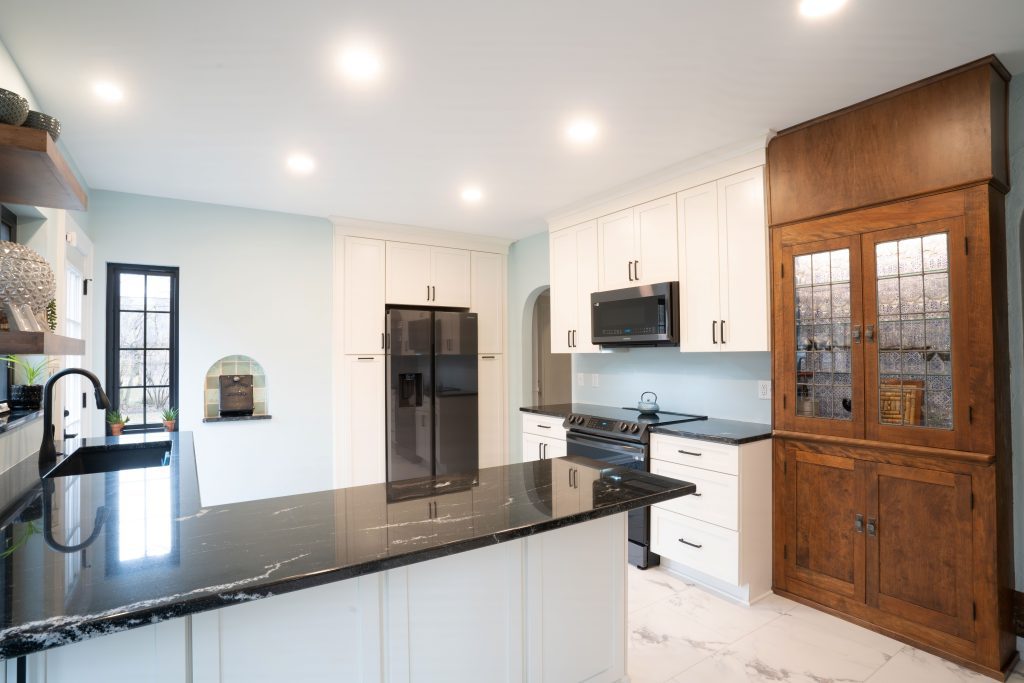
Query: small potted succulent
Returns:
{"type": "Point", "coordinates": [30, 394]}
{"type": "Point", "coordinates": [116, 421]}
{"type": "Point", "coordinates": [170, 418]}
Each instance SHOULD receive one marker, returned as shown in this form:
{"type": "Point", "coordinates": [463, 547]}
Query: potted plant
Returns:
{"type": "Point", "coordinates": [116, 421]}
{"type": "Point", "coordinates": [170, 418]}
{"type": "Point", "coordinates": [30, 394]}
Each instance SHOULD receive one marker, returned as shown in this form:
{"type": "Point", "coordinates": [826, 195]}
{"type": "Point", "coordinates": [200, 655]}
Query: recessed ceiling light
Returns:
{"type": "Point", "coordinates": [581, 131]}
{"type": "Point", "coordinates": [301, 164]}
{"type": "Point", "coordinates": [820, 8]}
{"type": "Point", "coordinates": [472, 194]}
{"type": "Point", "coordinates": [108, 92]}
{"type": "Point", "coordinates": [360, 63]}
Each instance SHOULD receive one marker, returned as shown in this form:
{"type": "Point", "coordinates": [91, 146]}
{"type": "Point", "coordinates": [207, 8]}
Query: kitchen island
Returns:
{"type": "Point", "coordinates": [516, 574]}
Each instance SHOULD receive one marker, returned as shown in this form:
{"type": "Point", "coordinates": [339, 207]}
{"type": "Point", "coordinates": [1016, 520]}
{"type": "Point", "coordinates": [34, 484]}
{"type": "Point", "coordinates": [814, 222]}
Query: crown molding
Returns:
{"type": "Point", "coordinates": [397, 232]}
{"type": "Point", "coordinates": [718, 163]}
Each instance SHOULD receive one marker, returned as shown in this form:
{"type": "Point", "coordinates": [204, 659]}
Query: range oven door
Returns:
{"type": "Point", "coordinates": [636, 316]}
{"type": "Point", "coordinates": [621, 454]}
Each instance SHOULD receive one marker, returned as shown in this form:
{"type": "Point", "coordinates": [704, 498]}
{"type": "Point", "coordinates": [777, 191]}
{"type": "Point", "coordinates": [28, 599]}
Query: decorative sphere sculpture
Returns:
{"type": "Point", "coordinates": [25, 277]}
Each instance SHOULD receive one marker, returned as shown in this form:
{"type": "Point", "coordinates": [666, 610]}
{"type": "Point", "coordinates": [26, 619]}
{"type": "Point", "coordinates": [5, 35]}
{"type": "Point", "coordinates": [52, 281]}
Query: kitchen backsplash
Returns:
{"type": "Point", "coordinates": [722, 385]}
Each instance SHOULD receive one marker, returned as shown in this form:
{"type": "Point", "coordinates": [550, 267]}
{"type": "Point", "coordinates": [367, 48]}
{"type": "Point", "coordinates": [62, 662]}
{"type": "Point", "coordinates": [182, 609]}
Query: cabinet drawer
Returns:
{"type": "Point", "coordinates": [544, 425]}
{"type": "Point", "coordinates": [705, 547]}
{"type": "Point", "coordinates": [716, 499]}
{"type": "Point", "coordinates": [704, 455]}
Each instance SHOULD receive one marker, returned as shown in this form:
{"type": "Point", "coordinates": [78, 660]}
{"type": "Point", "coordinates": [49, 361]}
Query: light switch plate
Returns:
{"type": "Point", "coordinates": [595, 380]}
{"type": "Point", "coordinates": [764, 390]}
{"type": "Point", "coordinates": [580, 380]}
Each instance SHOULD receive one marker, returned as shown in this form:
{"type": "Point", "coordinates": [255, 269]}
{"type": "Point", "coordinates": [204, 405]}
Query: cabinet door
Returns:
{"type": "Point", "coordinates": [491, 387]}
{"type": "Point", "coordinates": [408, 274]}
{"type": "Point", "coordinates": [363, 422]}
{"type": "Point", "coordinates": [657, 254]}
{"type": "Point", "coordinates": [824, 549]}
{"type": "Point", "coordinates": [916, 355]}
{"type": "Point", "coordinates": [616, 251]}
{"type": "Point", "coordinates": [364, 295]}
{"type": "Point", "coordinates": [564, 295]}
{"type": "Point", "coordinates": [532, 447]}
{"type": "Point", "coordinates": [586, 284]}
{"type": "Point", "coordinates": [743, 249]}
{"type": "Point", "coordinates": [488, 300]}
{"type": "Point", "coordinates": [553, 448]}
{"type": "Point", "coordinates": [821, 362]}
{"type": "Point", "coordinates": [919, 547]}
{"type": "Point", "coordinates": [565, 497]}
{"type": "Point", "coordinates": [450, 277]}
{"type": "Point", "coordinates": [698, 265]}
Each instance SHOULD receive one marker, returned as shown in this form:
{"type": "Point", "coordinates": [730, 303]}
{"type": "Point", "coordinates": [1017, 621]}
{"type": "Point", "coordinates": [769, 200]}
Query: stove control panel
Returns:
{"type": "Point", "coordinates": [603, 424]}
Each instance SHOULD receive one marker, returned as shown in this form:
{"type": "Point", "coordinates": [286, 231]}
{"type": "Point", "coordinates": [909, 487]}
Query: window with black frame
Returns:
{"type": "Point", "coordinates": [142, 342]}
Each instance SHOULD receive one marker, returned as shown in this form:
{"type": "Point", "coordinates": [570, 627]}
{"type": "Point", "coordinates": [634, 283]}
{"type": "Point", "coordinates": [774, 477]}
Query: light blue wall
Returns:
{"type": "Point", "coordinates": [256, 283]}
{"type": "Point", "coordinates": [721, 385]}
{"type": "Point", "coordinates": [1015, 251]}
{"type": "Point", "coordinates": [527, 278]}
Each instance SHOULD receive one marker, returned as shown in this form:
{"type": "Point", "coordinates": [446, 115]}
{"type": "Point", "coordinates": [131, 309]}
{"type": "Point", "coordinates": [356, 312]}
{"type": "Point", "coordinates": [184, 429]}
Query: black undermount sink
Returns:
{"type": "Point", "coordinates": [113, 457]}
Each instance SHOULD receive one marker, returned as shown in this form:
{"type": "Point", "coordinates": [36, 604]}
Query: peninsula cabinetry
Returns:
{"type": "Point", "coordinates": [892, 460]}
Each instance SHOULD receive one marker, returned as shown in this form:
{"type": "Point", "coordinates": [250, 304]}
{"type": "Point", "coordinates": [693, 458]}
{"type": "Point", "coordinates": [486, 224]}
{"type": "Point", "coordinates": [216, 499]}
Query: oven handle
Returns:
{"type": "Point", "coordinates": [604, 441]}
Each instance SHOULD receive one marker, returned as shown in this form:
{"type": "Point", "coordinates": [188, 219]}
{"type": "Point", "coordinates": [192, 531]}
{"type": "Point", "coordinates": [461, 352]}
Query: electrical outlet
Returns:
{"type": "Point", "coordinates": [764, 390]}
{"type": "Point", "coordinates": [580, 380]}
{"type": "Point", "coordinates": [595, 380]}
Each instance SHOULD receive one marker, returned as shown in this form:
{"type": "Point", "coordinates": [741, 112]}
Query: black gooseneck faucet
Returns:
{"type": "Point", "coordinates": [48, 449]}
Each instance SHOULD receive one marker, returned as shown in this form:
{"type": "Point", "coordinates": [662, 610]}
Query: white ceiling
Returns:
{"type": "Point", "coordinates": [219, 92]}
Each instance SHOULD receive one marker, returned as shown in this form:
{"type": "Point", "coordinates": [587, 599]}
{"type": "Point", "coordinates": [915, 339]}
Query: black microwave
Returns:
{"type": "Point", "coordinates": [636, 316]}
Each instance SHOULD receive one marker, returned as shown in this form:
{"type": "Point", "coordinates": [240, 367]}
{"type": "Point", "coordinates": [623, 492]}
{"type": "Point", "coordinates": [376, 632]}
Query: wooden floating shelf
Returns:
{"type": "Point", "coordinates": [43, 343]}
{"type": "Point", "coordinates": [34, 172]}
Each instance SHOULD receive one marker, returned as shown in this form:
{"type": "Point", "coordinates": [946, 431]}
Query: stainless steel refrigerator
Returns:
{"type": "Point", "coordinates": [432, 394]}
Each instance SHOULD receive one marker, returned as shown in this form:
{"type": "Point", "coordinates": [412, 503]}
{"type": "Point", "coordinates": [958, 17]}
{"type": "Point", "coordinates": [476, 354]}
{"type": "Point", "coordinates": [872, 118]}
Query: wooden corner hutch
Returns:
{"type": "Point", "coordinates": [892, 482]}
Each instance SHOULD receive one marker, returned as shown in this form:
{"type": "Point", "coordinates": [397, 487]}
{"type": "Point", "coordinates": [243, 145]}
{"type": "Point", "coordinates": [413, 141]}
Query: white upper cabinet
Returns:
{"type": "Point", "coordinates": [487, 294]}
{"type": "Point", "coordinates": [450, 277]}
{"type": "Point", "coordinates": [656, 254]}
{"type": "Point", "coordinates": [574, 276]}
{"type": "Point", "coordinates": [638, 246]}
{"type": "Point", "coordinates": [363, 277]}
{"type": "Point", "coordinates": [616, 238]}
{"type": "Point", "coordinates": [698, 260]}
{"type": "Point", "coordinates": [743, 250]}
{"type": "Point", "coordinates": [408, 274]}
{"type": "Point", "coordinates": [723, 251]}
{"type": "Point", "coordinates": [419, 275]}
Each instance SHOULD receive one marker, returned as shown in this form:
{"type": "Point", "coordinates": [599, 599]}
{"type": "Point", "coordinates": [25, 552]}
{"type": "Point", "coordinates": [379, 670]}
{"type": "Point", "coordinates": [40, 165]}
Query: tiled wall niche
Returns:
{"type": "Point", "coordinates": [235, 365]}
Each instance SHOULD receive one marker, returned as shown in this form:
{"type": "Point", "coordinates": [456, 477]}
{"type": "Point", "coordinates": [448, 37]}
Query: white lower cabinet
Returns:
{"type": "Point", "coordinates": [491, 413]}
{"type": "Point", "coordinates": [720, 535]}
{"type": "Point", "coordinates": [543, 437]}
{"type": "Point", "coordinates": [361, 422]}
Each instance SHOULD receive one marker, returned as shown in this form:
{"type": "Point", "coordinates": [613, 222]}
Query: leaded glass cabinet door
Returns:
{"type": "Point", "coordinates": [914, 334]}
{"type": "Point", "coordinates": [823, 366]}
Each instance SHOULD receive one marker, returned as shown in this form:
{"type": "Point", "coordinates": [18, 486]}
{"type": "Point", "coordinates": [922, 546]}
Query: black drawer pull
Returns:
{"type": "Point", "coordinates": [696, 494]}
{"type": "Point", "coordinates": [697, 455]}
{"type": "Point", "coordinates": [544, 426]}
{"type": "Point", "coordinates": [488, 357]}
{"type": "Point", "coordinates": [693, 545]}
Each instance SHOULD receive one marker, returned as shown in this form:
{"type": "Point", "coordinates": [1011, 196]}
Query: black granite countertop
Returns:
{"type": "Point", "coordinates": [160, 554]}
{"type": "Point", "coordinates": [730, 432]}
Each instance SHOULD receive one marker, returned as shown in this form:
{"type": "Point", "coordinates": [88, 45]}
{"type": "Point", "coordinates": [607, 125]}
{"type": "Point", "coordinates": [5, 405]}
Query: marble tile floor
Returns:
{"type": "Point", "coordinates": [680, 633]}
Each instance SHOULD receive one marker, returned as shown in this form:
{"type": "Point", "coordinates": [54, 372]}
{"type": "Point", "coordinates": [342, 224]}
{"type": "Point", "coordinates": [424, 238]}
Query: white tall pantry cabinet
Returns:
{"type": "Point", "coordinates": [375, 268]}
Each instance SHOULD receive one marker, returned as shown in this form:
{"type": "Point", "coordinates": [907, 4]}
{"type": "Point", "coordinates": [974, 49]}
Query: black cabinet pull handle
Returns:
{"type": "Point", "coordinates": [487, 357]}
{"type": "Point", "coordinates": [433, 293]}
{"type": "Point", "coordinates": [696, 494]}
{"type": "Point", "coordinates": [714, 331]}
{"type": "Point", "coordinates": [629, 269]}
{"type": "Point", "coordinates": [570, 477]}
{"type": "Point", "coordinates": [382, 340]}
{"type": "Point", "coordinates": [872, 527]}
{"type": "Point", "coordinates": [690, 453]}
{"type": "Point", "coordinates": [574, 339]}
{"type": "Point", "coordinates": [544, 426]}
{"type": "Point", "coordinates": [636, 270]}
{"type": "Point", "coordinates": [568, 338]}
{"type": "Point", "coordinates": [428, 292]}
{"type": "Point", "coordinates": [698, 546]}
{"type": "Point", "coordinates": [723, 331]}
{"type": "Point", "coordinates": [858, 523]}
{"type": "Point", "coordinates": [364, 357]}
